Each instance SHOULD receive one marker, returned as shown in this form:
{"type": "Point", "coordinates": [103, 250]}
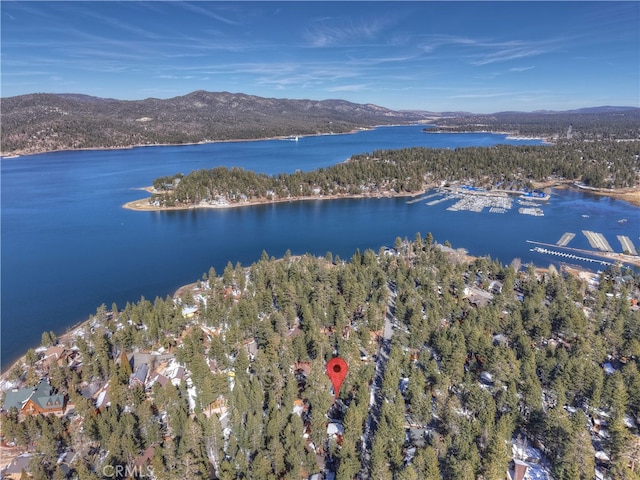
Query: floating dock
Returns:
{"type": "Point", "coordinates": [438, 200]}
{"type": "Point", "coordinates": [617, 258]}
{"type": "Point", "coordinates": [528, 203]}
{"type": "Point", "coordinates": [423, 197]}
{"type": "Point", "coordinates": [569, 255]}
{"type": "Point", "coordinates": [627, 245]}
{"type": "Point", "coordinates": [476, 203]}
{"type": "Point", "coordinates": [534, 211]}
{"type": "Point", "coordinates": [597, 240]}
{"type": "Point", "coordinates": [566, 238]}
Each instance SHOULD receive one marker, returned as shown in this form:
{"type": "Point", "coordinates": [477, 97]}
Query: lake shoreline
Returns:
{"type": "Point", "coordinates": [630, 195]}
{"type": "Point", "coordinates": [26, 153]}
{"type": "Point", "coordinates": [121, 256]}
{"type": "Point", "coordinates": [143, 205]}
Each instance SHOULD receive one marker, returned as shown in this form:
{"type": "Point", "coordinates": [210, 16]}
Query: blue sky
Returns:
{"type": "Point", "coordinates": [473, 56]}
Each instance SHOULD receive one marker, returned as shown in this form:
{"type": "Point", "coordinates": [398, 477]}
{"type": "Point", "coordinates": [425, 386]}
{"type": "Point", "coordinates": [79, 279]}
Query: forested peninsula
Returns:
{"type": "Point", "coordinates": [607, 166]}
{"type": "Point", "coordinates": [459, 368]}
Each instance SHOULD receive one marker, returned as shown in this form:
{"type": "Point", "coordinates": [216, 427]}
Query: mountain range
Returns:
{"type": "Point", "coordinates": [43, 122]}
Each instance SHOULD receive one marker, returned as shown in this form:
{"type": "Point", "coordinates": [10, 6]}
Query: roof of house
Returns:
{"type": "Point", "coordinates": [519, 470]}
{"type": "Point", "coordinates": [140, 374]}
{"type": "Point", "coordinates": [18, 464]}
{"type": "Point", "coordinates": [49, 402]}
{"type": "Point", "coordinates": [159, 378]}
{"type": "Point", "coordinates": [103, 400]}
{"type": "Point", "coordinates": [251, 346]}
{"type": "Point", "coordinates": [54, 352]}
{"type": "Point", "coordinates": [146, 456]}
{"type": "Point", "coordinates": [16, 398]}
{"type": "Point", "coordinates": [42, 395]}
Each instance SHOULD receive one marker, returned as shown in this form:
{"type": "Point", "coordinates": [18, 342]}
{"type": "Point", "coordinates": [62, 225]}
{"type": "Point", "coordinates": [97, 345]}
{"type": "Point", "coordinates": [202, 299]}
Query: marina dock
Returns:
{"type": "Point", "coordinates": [476, 203]}
{"type": "Point", "coordinates": [534, 211]}
{"type": "Point", "coordinates": [438, 200]}
{"type": "Point", "coordinates": [566, 238]}
{"type": "Point", "coordinates": [579, 254]}
{"type": "Point", "coordinates": [627, 245]}
{"type": "Point", "coordinates": [423, 197]}
{"type": "Point", "coordinates": [475, 199]}
{"type": "Point", "coordinates": [569, 255]}
{"type": "Point", "coordinates": [597, 240]}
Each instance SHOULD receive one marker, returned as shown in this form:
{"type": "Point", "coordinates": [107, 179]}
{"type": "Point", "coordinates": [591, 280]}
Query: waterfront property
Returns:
{"type": "Point", "coordinates": [38, 400]}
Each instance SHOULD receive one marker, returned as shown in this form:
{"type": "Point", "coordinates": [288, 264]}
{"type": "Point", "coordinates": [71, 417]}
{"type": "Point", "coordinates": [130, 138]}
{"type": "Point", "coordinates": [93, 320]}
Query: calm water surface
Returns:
{"type": "Point", "coordinates": [68, 246]}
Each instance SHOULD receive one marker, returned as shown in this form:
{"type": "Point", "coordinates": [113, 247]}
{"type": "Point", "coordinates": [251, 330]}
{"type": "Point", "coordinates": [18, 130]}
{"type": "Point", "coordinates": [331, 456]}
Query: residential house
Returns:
{"type": "Point", "coordinates": [518, 471]}
{"type": "Point", "coordinates": [17, 466]}
{"type": "Point", "coordinates": [102, 398]}
{"type": "Point", "coordinates": [32, 401]}
{"type": "Point", "coordinates": [53, 355]}
{"type": "Point", "coordinates": [139, 376]}
{"type": "Point", "coordinates": [251, 347]}
{"type": "Point", "coordinates": [146, 458]}
{"type": "Point", "coordinates": [66, 461]}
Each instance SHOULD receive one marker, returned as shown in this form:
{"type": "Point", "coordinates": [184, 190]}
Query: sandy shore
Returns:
{"type": "Point", "coordinates": [630, 194]}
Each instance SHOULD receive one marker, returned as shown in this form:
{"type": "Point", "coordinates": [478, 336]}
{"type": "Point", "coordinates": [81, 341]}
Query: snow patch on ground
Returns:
{"type": "Point", "coordinates": [537, 464]}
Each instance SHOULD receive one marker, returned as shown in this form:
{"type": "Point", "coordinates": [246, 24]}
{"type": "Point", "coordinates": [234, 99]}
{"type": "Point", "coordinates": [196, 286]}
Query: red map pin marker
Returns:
{"type": "Point", "coordinates": [337, 369]}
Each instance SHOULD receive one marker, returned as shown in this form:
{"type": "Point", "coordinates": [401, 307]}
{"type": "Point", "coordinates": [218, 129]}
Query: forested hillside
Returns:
{"type": "Point", "coordinates": [45, 122]}
{"type": "Point", "coordinates": [607, 164]}
{"type": "Point", "coordinates": [601, 123]}
{"type": "Point", "coordinates": [481, 356]}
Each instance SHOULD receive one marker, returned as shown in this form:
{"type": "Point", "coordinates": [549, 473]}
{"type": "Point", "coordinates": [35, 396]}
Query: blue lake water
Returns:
{"type": "Point", "coordinates": [68, 246]}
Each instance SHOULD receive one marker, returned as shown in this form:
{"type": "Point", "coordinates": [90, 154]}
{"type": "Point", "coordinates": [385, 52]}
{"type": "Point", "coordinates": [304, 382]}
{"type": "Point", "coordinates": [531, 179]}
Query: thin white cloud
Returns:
{"type": "Point", "coordinates": [521, 69]}
{"type": "Point", "coordinates": [373, 61]}
{"type": "Point", "coordinates": [336, 31]}
{"type": "Point", "coordinates": [479, 52]}
{"type": "Point", "coordinates": [121, 25]}
{"type": "Point", "coordinates": [519, 96]}
{"type": "Point", "coordinates": [434, 42]}
{"type": "Point", "coordinates": [515, 51]}
{"type": "Point", "coordinates": [176, 77]}
{"type": "Point", "coordinates": [25, 73]}
{"type": "Point", "coordinates": [350, 88]}
{"type": "Point", "coordinates": [197, 9]}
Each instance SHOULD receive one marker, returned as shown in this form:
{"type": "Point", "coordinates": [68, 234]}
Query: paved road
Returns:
{"type": "Point", "coordinates": [375, 402]}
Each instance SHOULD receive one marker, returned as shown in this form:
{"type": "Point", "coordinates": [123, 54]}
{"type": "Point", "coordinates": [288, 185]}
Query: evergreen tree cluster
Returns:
{"type": "Point", "coordinates": [604, 123]}
{"type": "Point", "coordinates": [607, 164]}
{"type": "Point", "coordinates": [469, 378]}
